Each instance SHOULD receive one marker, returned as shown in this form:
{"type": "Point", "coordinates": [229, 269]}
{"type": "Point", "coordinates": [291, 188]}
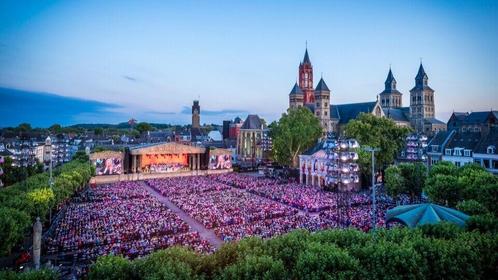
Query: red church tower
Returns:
{"type": "Point", "coordinates": [306, 79]}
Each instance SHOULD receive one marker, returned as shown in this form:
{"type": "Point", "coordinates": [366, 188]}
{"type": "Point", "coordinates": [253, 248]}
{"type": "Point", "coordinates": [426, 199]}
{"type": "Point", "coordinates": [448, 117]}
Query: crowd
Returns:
{"type": "Point", "coordinates": [214, 204]}
{"type": "Point", "coordinates": [266, 207]}
{"type": "Point", "coordinates": [124, 218]}
{"type": "Point", "coordinates": [310, 199]}
{"type": "Point", "coordinates": [121, 218]}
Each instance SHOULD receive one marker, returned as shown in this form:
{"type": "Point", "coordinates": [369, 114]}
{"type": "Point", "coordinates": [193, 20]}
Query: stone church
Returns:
{"type": "Point", "coordinates": [420, 115]}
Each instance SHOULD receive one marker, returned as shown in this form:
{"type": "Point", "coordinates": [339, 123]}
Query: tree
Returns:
{"type": "Point", "coordinates": [296, 131]}
{"type": "Point", "coordinates": [443, 168]}
{"type": "Point", "coordinates": [471, 207]}
{"type": "Point", "coordinates": [444, 189]}
{"type": "Point", "coordinates": [12, 226]}
{"type": "Point", "coordinates": [414, 175]}
{"type": "Point", "coordinates": [55, 129]}
{"type": "Point", "coordinates": [111, 267]}
{"type": "Point", "coordinates": [98, 131]}
{"type": "Point", "coordinates": [325, 261]}
{"type": "Point", "coordinates": [143, 127]}
{"type": "Point", "coordinates": [394, 181]}
{"type": "Point", "coordinates": [81, 156]}
{"type": "Point", "coordinates": [377, 132]}
{"type": "Point", "coordinates": [256, 267]}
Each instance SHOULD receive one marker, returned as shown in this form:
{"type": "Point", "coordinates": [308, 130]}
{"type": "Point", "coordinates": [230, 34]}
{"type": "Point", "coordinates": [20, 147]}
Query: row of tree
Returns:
{"type": "Point", "coordinates": [429, 252]}
{"type": "Point", "coordinates": [22, 202]}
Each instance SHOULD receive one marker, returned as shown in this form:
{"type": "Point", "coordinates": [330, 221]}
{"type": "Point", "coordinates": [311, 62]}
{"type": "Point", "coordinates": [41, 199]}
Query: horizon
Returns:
{"type": "Point", "coordinates": [149, 61]}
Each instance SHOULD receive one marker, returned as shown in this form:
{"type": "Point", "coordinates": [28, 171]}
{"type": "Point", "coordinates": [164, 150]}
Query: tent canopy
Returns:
{"type": "Point", "coordinates": [427, 213]}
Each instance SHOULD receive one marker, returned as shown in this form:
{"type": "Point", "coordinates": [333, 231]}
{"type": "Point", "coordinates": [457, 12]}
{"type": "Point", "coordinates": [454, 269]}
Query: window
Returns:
{"type": "Point", "coordinates": [466, 153]}
{"type": "Point", "coordinates": [447, 152]}
{"type": "Point", "coordinates": [434, 161]}
{"type": "Point", "coordinates": [325, 113]}
{"type": "Point", "coordinates": [457, 152]}
{"type": "Point", "coordinates": [457, 163]}
{"type": "Point", "coordinates": [494, 164]}
{"type": "Point", "coordinates": [491, 149]}
{"type": "Point", "coordinates": [435, 148]}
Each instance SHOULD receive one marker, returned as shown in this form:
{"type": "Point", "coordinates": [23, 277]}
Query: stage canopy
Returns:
{"type": "Point", "coordinates": [420, 214]}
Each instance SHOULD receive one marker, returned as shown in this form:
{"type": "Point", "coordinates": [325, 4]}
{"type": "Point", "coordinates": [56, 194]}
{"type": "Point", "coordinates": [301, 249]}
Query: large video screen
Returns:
{"type": "Point", "coordinates": [108, 166]}
{"type": "Point", "coordinates": [220, 162]}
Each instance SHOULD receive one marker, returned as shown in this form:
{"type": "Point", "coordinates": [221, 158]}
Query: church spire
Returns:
{"type": "Point", "coordinates": [390, 83]}
{"type": "Point", "coordinates": [306, 59]}
{"type": "Point", "coordinates": [421, 80]}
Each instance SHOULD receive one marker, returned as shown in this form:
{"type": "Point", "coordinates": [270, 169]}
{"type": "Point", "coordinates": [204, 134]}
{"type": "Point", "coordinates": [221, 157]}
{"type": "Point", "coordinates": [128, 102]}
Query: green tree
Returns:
{"type": "Point", "coordinates": [471, 207]}
{"type": "Point", "coordinates": [443, 168]}
{"type": "Point", "coordinates": [394, 181]}
{"type": "Point", "coordinates": [81, 156]}
{"type": "Point", "coordinates": [325, 261]}
{"type": "Point", "coordinates": [488, 197]}
{"type": "Point", "coordinates": [56, 129]}
{"type": "Point", "coordinates": [444, 189]}
{"type": "Point", "coordinates": [112, 268]}
{"type": "Point", "coordinates": [414, 175]}
{"type": "Point", "coordinates": [144, 127]}
{"type": "Point", "coordinates": [13, 223]}
{"type": "Point", "coordinates": [256, 267]}
{"type": "Point", "coordinates": [98, 131]}
{"type": "Point", "coordinates": [377, 132]}
{"type": "Point", "coordinates": [296, 131]}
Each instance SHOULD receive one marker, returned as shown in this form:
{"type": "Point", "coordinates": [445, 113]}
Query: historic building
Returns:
{"type": "Point", "coordinates": [252, 140]}
{"type": "Point", "coordinates": [195, 131]}
{"type": "Point", "coordinates": [420, 115]}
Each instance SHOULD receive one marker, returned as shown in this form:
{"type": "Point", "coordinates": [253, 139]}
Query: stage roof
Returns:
{"type": "Point", "coordinates": [106, 154]}
{"type": "Point", "coordinates": [166, 148]}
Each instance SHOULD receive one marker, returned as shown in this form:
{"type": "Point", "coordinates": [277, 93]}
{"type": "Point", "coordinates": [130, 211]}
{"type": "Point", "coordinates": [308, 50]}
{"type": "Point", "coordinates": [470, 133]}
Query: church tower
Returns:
{"type": "Point", "coordinates": [391, 97]}
{"type": "Point", "coordinates": [196, 115]}
{"type": "Point", "coordinates": [296, 97]}
{"type": "Point", "coordinates": [322, 106]}
{"type": "Point", "coordinates": [306, 78]}
{"type": "Point", "coordinates": [421, 101]}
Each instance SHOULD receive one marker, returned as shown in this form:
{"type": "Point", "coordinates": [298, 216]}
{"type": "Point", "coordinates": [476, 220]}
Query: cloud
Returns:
{"type": "Point", "coordinates": [130, 78]}
{"type": "Point", "coordinates": [188, 110]}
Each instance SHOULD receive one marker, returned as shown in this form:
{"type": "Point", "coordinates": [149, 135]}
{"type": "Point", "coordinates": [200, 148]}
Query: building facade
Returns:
{"type": "Point", "coordinates": [471, 138]}
{"type": "Point", "coordinates": [251, 140]}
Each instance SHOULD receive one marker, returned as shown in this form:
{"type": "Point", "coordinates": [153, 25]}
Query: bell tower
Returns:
{"type": "Point", "coordinates": [196, 115]}
{"type": "Point", "coordinates": [306, 79]}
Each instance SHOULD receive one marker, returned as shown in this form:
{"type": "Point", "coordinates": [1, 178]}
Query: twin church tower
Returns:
{"type": "Point", "coordinates": [420, 115]}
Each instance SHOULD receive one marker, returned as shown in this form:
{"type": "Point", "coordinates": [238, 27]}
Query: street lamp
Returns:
{"type": "Point", "coordinates": [374, 204]}
{"type": "Point", "coordinates": [48, 147]}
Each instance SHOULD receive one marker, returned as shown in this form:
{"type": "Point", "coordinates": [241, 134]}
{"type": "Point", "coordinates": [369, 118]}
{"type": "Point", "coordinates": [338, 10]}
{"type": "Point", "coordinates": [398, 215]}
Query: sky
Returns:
{"type": "Point", "coordinates": [150, 59]}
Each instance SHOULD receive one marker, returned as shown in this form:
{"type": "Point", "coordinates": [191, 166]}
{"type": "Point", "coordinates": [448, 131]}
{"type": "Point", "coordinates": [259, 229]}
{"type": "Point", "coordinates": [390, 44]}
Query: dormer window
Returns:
{"type": "Point", "coordinates": [491, 149]}
{"type": "Point", "coordinates": [466, 153]}
{"type": "Point", "coordinates": [447, 152]}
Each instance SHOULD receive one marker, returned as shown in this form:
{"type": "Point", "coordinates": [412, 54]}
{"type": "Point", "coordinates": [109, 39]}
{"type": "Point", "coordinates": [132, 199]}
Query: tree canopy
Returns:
{"type": "Point", "coordinates": [429, 252]}
{"type": "Point", "coordinates": [378, 132]}
{"type": "Point", "coordinates": [296, 131]}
